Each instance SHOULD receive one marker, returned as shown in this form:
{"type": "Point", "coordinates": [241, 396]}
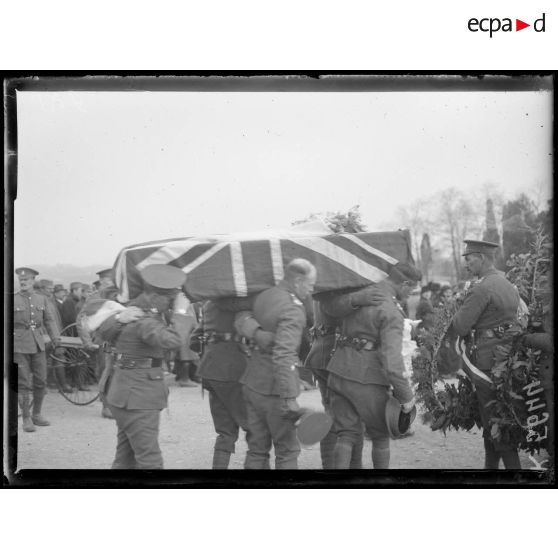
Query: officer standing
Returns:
{"type": "Point", "coordinates": [137, 392]}
{"type": "Point", "coordinates": [488, 311]}
{"type": "Point", "coordinates": [324, 332]}
{"type": "Point", "coordinates": [31, 313]}
{"type": "Point", "coordinates": [271, 383]}
{"type": "Point", "coordinates": [367, 360]}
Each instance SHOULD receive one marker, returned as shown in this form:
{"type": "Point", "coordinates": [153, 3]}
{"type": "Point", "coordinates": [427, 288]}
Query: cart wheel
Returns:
{"type": "Point", "coordinates": [82, 380]}
{"type": "Point", "coordinates": [79, 372]}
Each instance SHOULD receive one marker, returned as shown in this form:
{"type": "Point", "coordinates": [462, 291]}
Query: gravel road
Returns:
{"type": "Point", "coordinates": [79, 438]}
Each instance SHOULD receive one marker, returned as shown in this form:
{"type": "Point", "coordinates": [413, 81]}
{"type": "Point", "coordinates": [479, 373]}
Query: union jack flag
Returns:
{"type": "Point", "coordinates": [241, 265]}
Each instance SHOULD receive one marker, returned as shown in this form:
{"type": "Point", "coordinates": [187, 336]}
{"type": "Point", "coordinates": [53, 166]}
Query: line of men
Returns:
{"type": "Point", "coordinates": [249, 367]}
{"type": "Point", "coordinates": [250, 363]}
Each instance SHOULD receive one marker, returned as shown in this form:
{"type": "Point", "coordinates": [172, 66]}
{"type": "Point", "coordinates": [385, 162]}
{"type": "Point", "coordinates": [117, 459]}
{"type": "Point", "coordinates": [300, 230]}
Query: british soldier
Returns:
{"type": "Point", "coordinates": [32, 314]}
{"type": "Point", "coordinates": [271, 382]}
{"type": "Point", "coordinates": [489, 309]}
{"type": "Point", "coordinates": [137, 392]}
{"type": "Point", "coordinates": [368, 360]}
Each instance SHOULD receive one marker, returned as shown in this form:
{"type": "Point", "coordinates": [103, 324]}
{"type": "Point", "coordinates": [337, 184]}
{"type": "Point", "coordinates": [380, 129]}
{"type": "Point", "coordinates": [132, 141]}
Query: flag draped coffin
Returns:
{"type": "Point", "coordinates": [236, 265]}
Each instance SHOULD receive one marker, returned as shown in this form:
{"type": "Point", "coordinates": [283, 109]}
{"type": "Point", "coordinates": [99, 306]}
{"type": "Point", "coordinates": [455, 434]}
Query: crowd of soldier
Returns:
{"type": "Point", "coordinates": [251, 360]}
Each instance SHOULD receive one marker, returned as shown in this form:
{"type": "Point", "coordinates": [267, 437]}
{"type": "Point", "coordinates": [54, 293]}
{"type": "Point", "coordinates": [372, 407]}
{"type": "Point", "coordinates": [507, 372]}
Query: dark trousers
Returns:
{"type": "Point", "coordinates": [31, 371]}
{"type": "Point", "coordinates": [228, 412]}
{"type": "Point", "coordinates": [353, 403]}
{"type": "Point", "coordinates": [494, 449]}
{"type": "Point", "coordinates": [267, 427]}
{"type": "Point", "coordinates": [137, 445]}
{"type": "Point", "coordinates": [327, 444]}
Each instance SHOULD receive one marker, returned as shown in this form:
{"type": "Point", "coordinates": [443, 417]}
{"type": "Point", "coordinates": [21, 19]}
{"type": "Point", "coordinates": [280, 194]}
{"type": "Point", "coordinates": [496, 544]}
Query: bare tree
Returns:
{"type": "Point", "coordinates": [457, 219]}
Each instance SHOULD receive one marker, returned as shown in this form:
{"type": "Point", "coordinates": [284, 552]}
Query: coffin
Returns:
{"type": "Point", "coordinates": [245, 264]}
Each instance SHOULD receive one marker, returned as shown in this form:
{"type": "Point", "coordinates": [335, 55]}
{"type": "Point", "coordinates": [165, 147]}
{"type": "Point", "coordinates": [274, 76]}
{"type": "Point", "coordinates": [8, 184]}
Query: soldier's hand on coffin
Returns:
{"type": "Point", "coordinates": [369, 296]}
{"type": "Point", "coordinates": [130, 314]}
{"type": "Point", "coordinates": [264, 339]}
{"type": "Point", "coordinates": [181, 304]}
{"type": "Point", "coordinates": [55, 342]}
{"type": "Point", "coordinates": [408, 407]}
{"type": "Point", "coordinates": [290, 409]}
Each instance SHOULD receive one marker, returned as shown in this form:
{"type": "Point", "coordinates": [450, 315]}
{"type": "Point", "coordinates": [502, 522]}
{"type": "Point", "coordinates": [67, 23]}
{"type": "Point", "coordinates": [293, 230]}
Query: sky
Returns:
{"type": "Point", "coordinates": [98, 171]}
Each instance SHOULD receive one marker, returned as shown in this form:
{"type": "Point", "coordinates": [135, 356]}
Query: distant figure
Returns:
{"type": "Point", "coordinates": [425, 310]}
{"type": "Point", "coordinates": [70, 308]}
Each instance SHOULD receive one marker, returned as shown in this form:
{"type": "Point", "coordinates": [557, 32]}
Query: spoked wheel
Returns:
{"type": "Point", "coordinates": [82, 381]}
{"type": "Point", "coordinates": [79, 373]}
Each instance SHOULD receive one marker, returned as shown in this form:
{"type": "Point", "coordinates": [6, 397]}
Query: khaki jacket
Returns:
{"type": "Point", "coordinates": [32, 315]}
{"type": "Point", "coordinates": [491, 302]}
{"type": "Point", "coordinates": [382, 324]}
{"type": "Point", "coordinates": [280, 311]}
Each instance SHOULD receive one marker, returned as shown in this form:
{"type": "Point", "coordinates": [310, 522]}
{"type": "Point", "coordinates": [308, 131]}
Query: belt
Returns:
{"type": "Point", "coordinates": [28, 326]}
{"type": "Point", "coordinates": [358, 343]}
{"type": "Point", "coordinates": [216, 337]}
{"type": "Point", "coordinates": [322, 331]}
{"type": "Point", "coordinates": [494, 332]}
{"type": "Point", "coordinates": [125, 361]}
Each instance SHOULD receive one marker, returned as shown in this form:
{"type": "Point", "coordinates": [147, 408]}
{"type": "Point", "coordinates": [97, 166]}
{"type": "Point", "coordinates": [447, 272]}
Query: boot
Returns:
{"type": "Point", "coordinates": [491, 456]}
{"type": "Point", "coordinates": [61, 380]}
{"type": "Point", "coordinates": [193, 373]}
{"type": "Point", "coordinates": [221, 459]}
{"type": "Point", "coordinates": [23, 399]}
{"type": "Point", "coordinates": [343, 452]}
{"type": "Point", "coordinates": [37, 418]}
{"type": "Point", "coordinates": [356, 455]}
{"type": "Point", "coordinates": [182, 371]}
{"type": "Point", "coordinates": [380, 453]}
{"type": "Point", "coordinates": [511, 459]}
{"type": "Point", "coordinates": [327, 450]}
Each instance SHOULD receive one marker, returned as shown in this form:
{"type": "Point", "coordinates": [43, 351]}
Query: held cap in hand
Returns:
{"type": "Point", "coordinates": [312, 427]}
{"type": "Point", "coordinates": [398, 422]}
{"type": "Point", "coordinates": [164, 277]}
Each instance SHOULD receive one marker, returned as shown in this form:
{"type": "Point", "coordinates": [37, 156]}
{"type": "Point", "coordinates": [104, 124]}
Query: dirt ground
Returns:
{"type": "Point", "coordinates": [79, 438]}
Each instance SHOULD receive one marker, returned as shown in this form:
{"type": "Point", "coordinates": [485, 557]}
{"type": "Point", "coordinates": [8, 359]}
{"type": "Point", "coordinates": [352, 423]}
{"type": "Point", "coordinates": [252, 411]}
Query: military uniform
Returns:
{"type": "Point", "coordinates": [221, 367]}
{"type": "Point", "coordinates": [491, 304]}
{"type": "Point", "coordinates": [137, 391]}
{"type": "Point", "coordinates": [367, 360]}
{"type": "Point", "coordinates": [324, 333]}
{"type": "Point", "coordinates": [271, 377]}
{"type": "Point", "coordinates": [32, 314]}
{"type": "Point", "coordinates": [489, 308]}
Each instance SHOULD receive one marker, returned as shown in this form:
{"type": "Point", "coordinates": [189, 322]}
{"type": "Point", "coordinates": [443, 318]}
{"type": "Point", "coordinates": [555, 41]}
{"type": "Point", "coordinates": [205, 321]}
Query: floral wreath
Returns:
{"type": "Point", "coordinates": [518, 411]}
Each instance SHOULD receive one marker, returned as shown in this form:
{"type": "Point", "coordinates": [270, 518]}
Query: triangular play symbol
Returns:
{"type": "Point", "coordinates": [519, 25]}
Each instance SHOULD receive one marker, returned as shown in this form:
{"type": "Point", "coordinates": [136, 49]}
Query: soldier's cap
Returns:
{"type": "Point", "coordinates": [403, 272]}
{"type": "Point", "coordinates": [58, 288]}
{"type": "Point", "coordinates": [479, 247]}
{"type": "Point", "coordinates": [398, 422]}
{"type": "Point", "coordinates": [163, 277]}
{"type": "Point", "coordinates": [75, 285]}
{"type": "Point", "coordinates": [25, 272]}
{"type": "Point", "coordinates": [105, 273]}
{"type": "Point", "coordinates": [312, 427]}
{"type": "Point", "coordinates": [46, 283]}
